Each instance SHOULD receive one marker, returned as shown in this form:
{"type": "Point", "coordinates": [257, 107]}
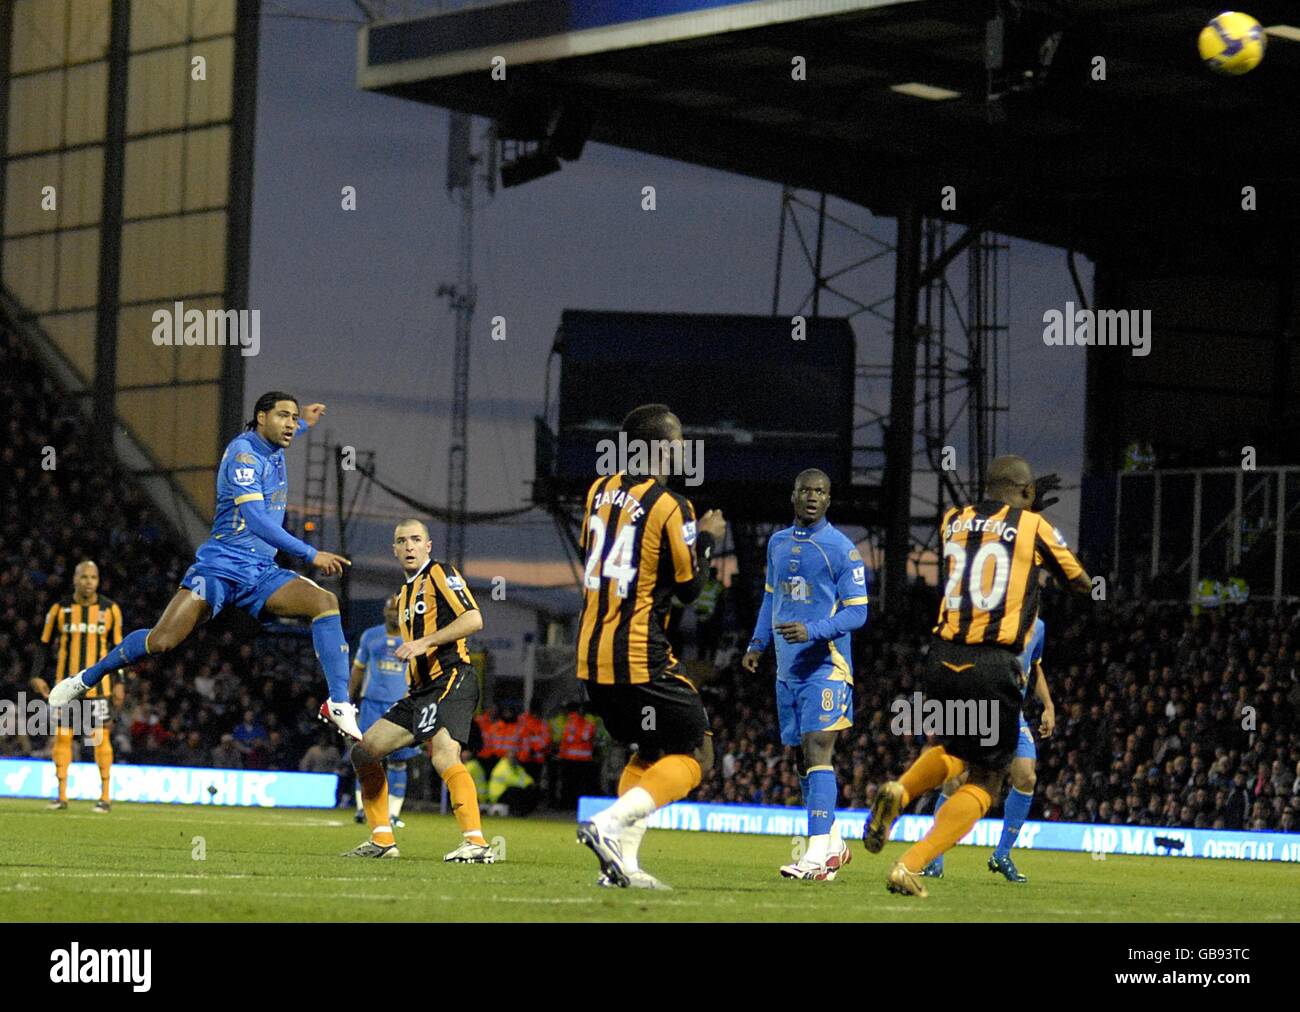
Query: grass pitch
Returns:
{"type": "Point", "coordinates": [139, 864]}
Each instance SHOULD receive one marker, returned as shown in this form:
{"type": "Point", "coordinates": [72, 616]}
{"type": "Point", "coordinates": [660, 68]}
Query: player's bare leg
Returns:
{"type": "Point", "coordinates": [444, 752]}
{"type": "Point", "coordinates": [183, 614]}
{"type": "Point", "coordinates": [827, 852]}
{"type": "Point", "coordinates": [381, 738]}
{"type": "Point", "coordinates": [301, 598]}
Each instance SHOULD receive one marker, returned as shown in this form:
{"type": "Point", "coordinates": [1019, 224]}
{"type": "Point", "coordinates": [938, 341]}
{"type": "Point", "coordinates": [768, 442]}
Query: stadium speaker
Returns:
{"type": "Point", "coordinates": [570, 133]}
{"type": "Point", "coordinates": [526, 168]}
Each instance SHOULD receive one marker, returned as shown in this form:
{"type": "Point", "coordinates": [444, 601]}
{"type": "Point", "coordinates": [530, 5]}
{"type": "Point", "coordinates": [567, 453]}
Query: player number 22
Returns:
{"type": "Point", "coordinates": [428, 714]}
{"type": "Point", "coordinates": [618, 567]}
{"type": "Point", "coordinates": [975, 581]}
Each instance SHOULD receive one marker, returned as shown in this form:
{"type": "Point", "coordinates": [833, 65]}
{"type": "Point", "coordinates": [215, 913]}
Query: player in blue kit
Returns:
{"type": "Point", "coordinates": [236, 565]}
{"type": "Point", "coordinates": [379, 679]}
{"type": "Point", "coordinates": [1023, 774]}
{"type": "Point", "coordinates": [815, 596]}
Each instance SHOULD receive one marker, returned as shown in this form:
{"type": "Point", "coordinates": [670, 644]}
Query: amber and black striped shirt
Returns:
{"type": "Point", "coordinates": [86, 633]}
{"type": "Point", "coordinates": [992, 556]}
{"type": "Point", "coordinates": [638, 543]}
{"type": "Point", "coordinates": [431, 599]}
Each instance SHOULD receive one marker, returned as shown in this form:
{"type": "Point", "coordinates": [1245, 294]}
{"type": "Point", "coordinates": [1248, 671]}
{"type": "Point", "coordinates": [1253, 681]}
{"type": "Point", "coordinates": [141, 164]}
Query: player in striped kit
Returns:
{"type": "Point", "coordinates": [89, 625]}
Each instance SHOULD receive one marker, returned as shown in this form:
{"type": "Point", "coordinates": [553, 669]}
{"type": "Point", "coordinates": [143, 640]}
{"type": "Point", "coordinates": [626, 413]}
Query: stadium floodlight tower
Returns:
{"type": "Point", "coordinates": [462, 184]}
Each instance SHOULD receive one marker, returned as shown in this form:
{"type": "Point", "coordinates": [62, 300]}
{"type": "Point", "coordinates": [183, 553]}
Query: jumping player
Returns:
{"type": "Point", "coordinates": [236, 565]}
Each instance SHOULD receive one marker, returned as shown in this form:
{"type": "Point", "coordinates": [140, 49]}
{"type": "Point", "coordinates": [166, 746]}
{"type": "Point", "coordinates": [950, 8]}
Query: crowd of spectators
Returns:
{"type": "Point", "coordinates": [1162, 717]}
{"type": "Point", "coordinates": [218, 700]}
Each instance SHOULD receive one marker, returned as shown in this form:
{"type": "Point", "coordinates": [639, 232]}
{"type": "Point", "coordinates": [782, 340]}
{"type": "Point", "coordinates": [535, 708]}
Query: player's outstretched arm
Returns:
{"type": "Point", "coordinates": [311, 413]}
{"type": "Point", "coordinates": [261, 525]}
{"type": "Point", "coordinates": [328, 563]}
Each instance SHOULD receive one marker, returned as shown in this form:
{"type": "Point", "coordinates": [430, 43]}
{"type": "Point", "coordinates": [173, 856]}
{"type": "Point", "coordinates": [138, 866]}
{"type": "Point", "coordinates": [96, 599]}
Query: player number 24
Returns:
{"type": "Point", "coordinates": [618, 567]}
{"type": "Point", "coordinates": [975, 580]}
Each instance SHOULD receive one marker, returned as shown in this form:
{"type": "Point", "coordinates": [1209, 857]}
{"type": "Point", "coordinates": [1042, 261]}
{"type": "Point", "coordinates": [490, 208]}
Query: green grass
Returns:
{"type": "Point", "coordinates": [137, 864]}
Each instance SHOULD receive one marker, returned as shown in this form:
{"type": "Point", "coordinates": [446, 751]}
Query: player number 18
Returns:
{"type": "Point", "coordinates": [618, 567]}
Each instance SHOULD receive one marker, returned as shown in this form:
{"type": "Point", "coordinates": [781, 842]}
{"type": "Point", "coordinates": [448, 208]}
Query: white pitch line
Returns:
{"type": "Point", "coordinates": [240, 820]}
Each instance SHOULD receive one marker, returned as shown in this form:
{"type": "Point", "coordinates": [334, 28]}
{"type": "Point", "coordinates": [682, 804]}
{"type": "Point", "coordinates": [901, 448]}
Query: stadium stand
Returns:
{"type": "Point", "coordinates": [177, 710]}
{"type": "Point", "coordinates": [1163, 717]}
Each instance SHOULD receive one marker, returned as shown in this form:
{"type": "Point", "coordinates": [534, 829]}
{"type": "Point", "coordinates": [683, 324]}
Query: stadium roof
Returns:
{"type": "Point", "coordinates": [1153, 156]}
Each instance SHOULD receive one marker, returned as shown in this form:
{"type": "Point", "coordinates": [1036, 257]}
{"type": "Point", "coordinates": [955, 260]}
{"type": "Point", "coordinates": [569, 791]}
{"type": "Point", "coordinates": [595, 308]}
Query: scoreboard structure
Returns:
{"type": "Point", "coordinates": [788, 403]}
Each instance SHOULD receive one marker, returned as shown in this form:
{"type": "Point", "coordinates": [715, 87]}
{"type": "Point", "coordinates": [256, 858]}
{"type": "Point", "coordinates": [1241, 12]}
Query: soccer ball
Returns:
{"type": "Point", "coordinates": [1232, 43]}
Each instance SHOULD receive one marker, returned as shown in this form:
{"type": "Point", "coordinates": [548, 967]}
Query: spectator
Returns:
{"type": "Point", "coordinates": [578, 771]}
{"type": "Point", "coordinates": [511, 791]}
{"type": "Point", "coordinates": [249, 732]}
{"type": "Point", "coordinates": [227, 755]}
{"type": "Point", "coordinates": [323, 757]}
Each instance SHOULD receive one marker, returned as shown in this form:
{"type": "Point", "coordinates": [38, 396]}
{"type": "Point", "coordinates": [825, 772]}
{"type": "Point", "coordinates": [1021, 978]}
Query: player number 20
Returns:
{"type": "Point", "coordinates": [618, 567]}
{"type": "Point", "coordinates": [994, 550]}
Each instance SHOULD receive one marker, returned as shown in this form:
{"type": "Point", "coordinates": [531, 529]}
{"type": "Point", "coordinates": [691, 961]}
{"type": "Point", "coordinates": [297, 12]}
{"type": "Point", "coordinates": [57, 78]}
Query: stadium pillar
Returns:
{"type": "Point", "coordinates": [902, 407]}
{"type": "Point", "coordinates": [239, 202]}
{"type": "Point", "coordinates": [104, 385]}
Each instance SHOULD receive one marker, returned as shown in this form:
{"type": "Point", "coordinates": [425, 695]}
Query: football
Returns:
{"type": "Point", "coordinates": [1232, 43]}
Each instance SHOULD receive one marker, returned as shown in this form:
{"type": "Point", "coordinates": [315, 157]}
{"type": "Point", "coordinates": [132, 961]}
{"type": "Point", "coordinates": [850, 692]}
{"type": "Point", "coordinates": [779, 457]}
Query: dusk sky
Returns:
{"type": "Point", "coordinates": [350, 318]}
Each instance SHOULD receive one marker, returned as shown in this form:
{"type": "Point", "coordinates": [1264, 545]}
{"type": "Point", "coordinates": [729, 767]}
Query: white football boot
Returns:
{"type": "Point", "coordinates": [342, 715]}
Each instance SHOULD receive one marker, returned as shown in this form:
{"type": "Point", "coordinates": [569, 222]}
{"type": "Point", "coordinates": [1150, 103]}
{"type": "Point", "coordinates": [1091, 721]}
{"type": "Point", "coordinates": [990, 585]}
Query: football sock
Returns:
{"type": "Point", "coordinates": [957, 817]}
{"type": "Point", "coordinates": [636, 804]}
{"type": "Point", "coordinates": [104, 760]}
{"type": "Point", "coordinates": [630, 844]}
{"type": "Point", "coordinates": [632, 774]}
{"type": "Point", "coordinates": [938, 803]}
{"type": "Point", "coordinates": [1014, 814]}
{"type": "Point", "coordinates": [464, 803]}
{"type": "Point", "coordinates": [803, 788]}
{"type": "Point", "coordinates": [374, 799]}
{"type": "Point", "coordinates": [397, 780]}
{"type": "Point", "coordinates": [670, 779]}
{"type": "Point", "coordinates": [124, 654]}
{"type": "Point", "coordinates": [931, 768]}
{"type": "Point", "coordinates": [62, 755]}
{"type": "Point", "coordinates": [821, 812]}
{"type": "Point", "coordinates": [332, 653]}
